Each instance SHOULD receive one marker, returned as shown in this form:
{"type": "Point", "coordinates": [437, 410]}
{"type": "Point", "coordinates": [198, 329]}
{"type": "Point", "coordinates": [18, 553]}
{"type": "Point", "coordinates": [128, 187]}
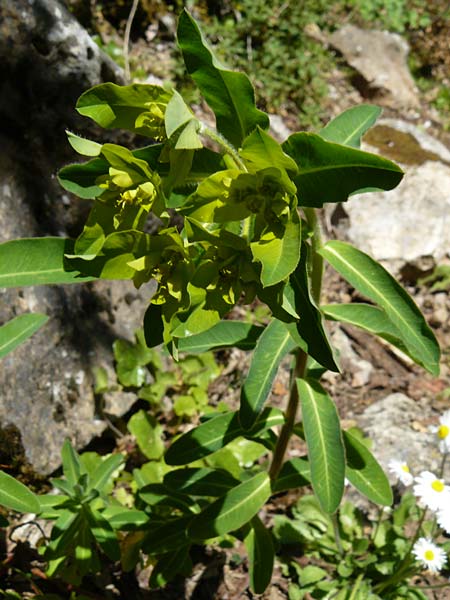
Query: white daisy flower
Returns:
{"type": "Point", "coordinates": [443, 518]}
{"type": "Point", "coordinates": [432, 491]}
{"type": "Point", "coordinates": [443, 432]}
{"type": "Point", "coordinates": [401, 470]}
{"type": "Point", "coordinates": [431, 556]}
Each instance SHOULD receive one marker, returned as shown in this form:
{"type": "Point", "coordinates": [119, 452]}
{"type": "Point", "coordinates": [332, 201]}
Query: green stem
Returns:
{"type": "Point", "coordinates": [356, 586]}
{"type": "Point", "coordinates": [291, 413]}
{"type": "Point", "coordinates": [337, 535]}
{"type": "Point", "coordinates": [377, 526]}
{"type": "Point", "coordinates": [226, 146]}
{"type": "Point", "coordinates": [441, 471]}
{"type": "Point", "coordinates": [432, 587]}
{"type": "Point", "coordinates": [405, 564]}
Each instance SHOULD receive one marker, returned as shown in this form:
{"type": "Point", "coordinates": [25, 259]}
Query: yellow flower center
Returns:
{"type": "Point", "coordinates": [443, 431]}
{"type": "Point", "coordinates": [437, 485]}
{"type": "Point", "coordinates": [429, 555]}
{"type": "Point", "coordinates": [405, 468]}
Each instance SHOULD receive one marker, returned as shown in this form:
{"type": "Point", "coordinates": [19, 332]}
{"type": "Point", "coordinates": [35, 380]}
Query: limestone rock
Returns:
{"type": "Point", "coordinates": [409, 225]}
{"type": "Point", "coordinates": [380, 58]}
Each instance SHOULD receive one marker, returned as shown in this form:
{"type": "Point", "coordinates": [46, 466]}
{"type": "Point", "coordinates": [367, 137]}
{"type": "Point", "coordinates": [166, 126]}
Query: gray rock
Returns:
{"type": "Point", "coordinates": [381, 61]}
{"type": "Point", "coordinates": [47, 61]}
{"type": "Point", "coordinates": [409, 225]}
{"type": "Point", "coordinates": [392, 424]}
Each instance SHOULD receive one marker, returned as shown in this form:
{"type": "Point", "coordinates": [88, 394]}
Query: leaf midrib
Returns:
{"type": "Point", "coordinates": [322, 441]}
{"type": "Point", "coordinates": [383, 298]}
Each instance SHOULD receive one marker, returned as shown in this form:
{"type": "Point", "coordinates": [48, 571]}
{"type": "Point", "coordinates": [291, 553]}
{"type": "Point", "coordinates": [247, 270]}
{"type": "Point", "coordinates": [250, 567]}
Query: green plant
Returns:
{"type": "Point", "coordinates": [233, 219]}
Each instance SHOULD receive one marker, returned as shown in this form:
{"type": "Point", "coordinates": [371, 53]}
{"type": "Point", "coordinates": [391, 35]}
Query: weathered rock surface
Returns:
{"type": "Point", "coordinates": [409, 225]}
{"type": "Point", "coordinates": [396, 425]}
{"type": "Point", "coordinates": [380, 58]}
{"type": "Point", "coordinates": [47, 61]}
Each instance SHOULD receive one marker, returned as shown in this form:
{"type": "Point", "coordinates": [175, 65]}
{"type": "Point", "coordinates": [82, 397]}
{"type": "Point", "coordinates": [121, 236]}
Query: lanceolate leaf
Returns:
{"type": "Point", "coordinates": [223, 335]}
{"type": "Point", "coordinates": [294, 473]}
{"type": "Point", "coordinates": [261, 555]}
{"type": "Point", "coordinates": [374, 282]}
{"type": "Point", "coordinates": [104, 471]}
{"type": "Point", "coordinates": [166, 537]}
{"type": "Point", "coordinates": [330, 172]}
{"type": "Point", "coordinates": [216, 433]}
{"type": "Point", "coordinates": [19, 329]}
{"type": "Point", "coordinates": [260, 151]}
{"type": "Point", "coordinates": [16, 496]}
{"type": "Point", "coordinates": [104, 534]}
{"type": "Point", "coordinates": [325, 446]}
{"type": "Point", "coordinates": [348, 127]}
{"type": "Point", "coordinates": [364, 472]}
{"type": "Point", "coordinates": [37, 261]}
{"type": "Point", "coordinates": [71, 463]}
{"type": "Point", "coordinates": [200, 482]}
{"type": "Point", "coordinates": [309, 325]}
{"type": "Point", "coordinates": [271, 348]}
{"type": "Point", "coordinates": [232, 510]}
{"type": "Point", "coordinates": [229, 94]}
{"type": "Point", "coordinates": [370, 318]}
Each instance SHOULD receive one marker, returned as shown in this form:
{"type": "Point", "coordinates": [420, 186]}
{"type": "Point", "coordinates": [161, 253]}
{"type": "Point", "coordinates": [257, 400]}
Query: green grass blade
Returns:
{"type": "Point", "coordinates": [19, 329]}
{"type": "Point", "coordinates": [232, 510]}
{"type": "Point", "coordinates": [373, 281]}
{"type": "Point", "coordinates": [325, 446]}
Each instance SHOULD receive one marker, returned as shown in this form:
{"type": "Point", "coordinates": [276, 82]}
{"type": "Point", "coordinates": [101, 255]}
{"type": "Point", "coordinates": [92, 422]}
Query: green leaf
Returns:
{"type": "Point", "coordinates": [200, 482]}
{"type": "Point", "coordinates": [83, 146]}
{"type": "Point", "coordinates": [120, 106]}
{"type": "Point", "coordinates": [374, 282]}
{"type": "Point", "coordinates": [224, 334]}
{"type": "Point", "coordinates": [272, 346]}
{"type": "Point", "coordinates": [310, 325]}
{"type": "Point", "coordinates": [148, 434]}
{"type": "Point", "coordinates": [278, 256]}
{"type": "Point", "coordinates": [37, 261]}
{"type": "Point", "coordinates": [330, 172]}
{"type": "Point", "coordinates": [180, 120]}
{"type": "Point", "coordinates": [348, 127]}
{"type": "Point", "coordinates": [325, 446]}
{"type": "Point", "coordinates": [170, 565]}
{"type": "Point", "coordinates": [104, 534]}
{"type": "Point", "coordinates": [16, 496]}
{"type": "Point", "coordinates": [104, 471]}
{"type": "Point", "coordinates": [294, 473]}
{"type": "Point", "coordinates": [261, 151]}
{"type": "Point", "coordinates": [364, 472]}
{"type": "Point", "coordinates": [232, 510]}
{"type": "Point", "coordinates": [19, 329]}
{"type": "Point", "coordinates": [125, 519]}
{"type": "Point", "coordinates": [229, 94]}
{"type": "Point", "coordinates": [70, 463]}
{"type": "Point", "coordinates": [215, 433]}
{"type": "Point", "coordinates": [370, 318]}
{"type": "Point", "coordinates": [166, 537]}
{"type": "Point", "coordinates": [261, 555]}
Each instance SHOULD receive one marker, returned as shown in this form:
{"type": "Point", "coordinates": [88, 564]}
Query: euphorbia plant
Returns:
{"type": "Point", "coordinates": [233, 218]}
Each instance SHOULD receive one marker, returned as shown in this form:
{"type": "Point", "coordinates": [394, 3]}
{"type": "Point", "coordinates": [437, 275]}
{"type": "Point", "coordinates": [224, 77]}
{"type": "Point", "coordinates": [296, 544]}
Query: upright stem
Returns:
{"type": "Point", "coordinates": [226, 146]}
{"type": "Point", "coordinates": [291, 413]}
{"type": "Point", "coordinates": [126, 40]}
{"type": "Point", "coordinates": [316, 271]}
